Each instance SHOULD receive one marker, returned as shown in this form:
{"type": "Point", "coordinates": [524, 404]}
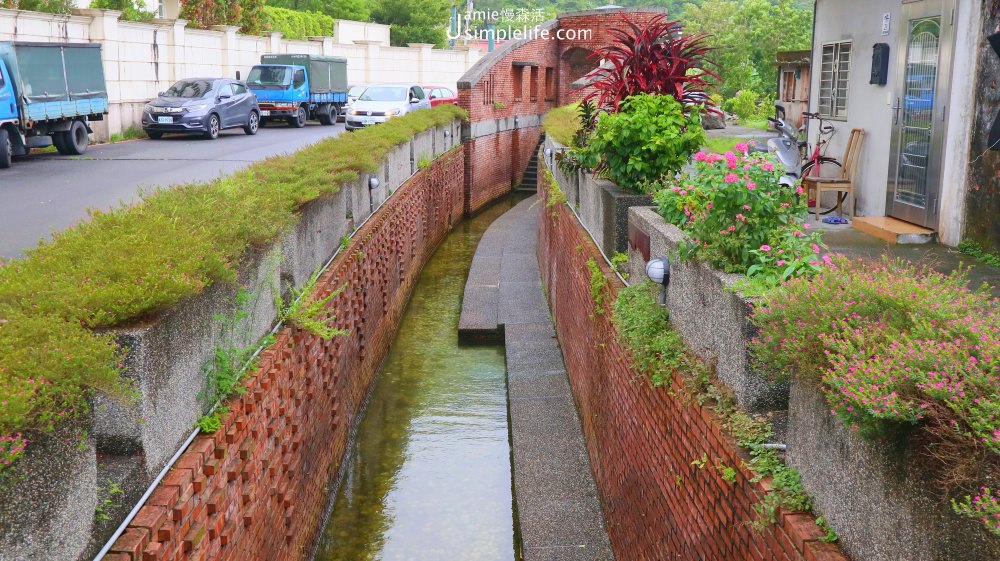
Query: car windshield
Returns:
{"type": "Point", "coordinates": [192, 89]}
{"type": "Point", "coordinates": [384, 93]}
{"type": "Point", "coordinates": [355, 91]}
{"type": "Point", "coordinates": [269, 76]}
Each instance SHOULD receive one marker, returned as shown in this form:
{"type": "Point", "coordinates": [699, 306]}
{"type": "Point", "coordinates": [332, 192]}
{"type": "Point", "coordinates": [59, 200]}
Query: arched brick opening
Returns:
{"type": "Point", "coordinates": [576, 62]}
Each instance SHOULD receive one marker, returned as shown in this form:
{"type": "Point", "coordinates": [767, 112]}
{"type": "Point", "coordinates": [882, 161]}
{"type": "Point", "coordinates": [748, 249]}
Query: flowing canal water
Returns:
{"type": "Point", "coordinates": [429, 475]}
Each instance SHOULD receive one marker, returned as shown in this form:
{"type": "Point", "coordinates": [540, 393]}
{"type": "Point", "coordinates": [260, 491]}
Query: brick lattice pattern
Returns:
{"type": "Point", "coordinates": [255, 490]}
{"type": "Point", "coordinates": [658, 505]}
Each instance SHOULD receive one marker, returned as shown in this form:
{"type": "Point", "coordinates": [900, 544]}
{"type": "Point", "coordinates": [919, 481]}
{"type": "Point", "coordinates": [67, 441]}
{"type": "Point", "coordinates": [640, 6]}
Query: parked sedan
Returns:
{"type": "Point", "coordinates": [441, 95]}
{"type": "Point", "coordinates": [382, 102]}
{"type": "Point", "coordinates": [353, 93]}
{"type": "Point", "coordinates": [203, 106]}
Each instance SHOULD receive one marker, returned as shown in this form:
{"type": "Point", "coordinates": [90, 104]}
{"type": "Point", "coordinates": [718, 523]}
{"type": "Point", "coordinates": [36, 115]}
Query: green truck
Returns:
{"type": "Point", "coordinates": [49, 93]}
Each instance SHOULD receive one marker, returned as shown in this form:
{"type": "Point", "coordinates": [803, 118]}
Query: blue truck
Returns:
{"type": "Point", "coordinates": [49, 93]}
{"type": "Point", "coordinates": [297, 87]}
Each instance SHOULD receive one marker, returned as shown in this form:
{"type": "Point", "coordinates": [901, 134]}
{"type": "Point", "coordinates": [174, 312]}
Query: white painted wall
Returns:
{"type": "Point", "coordinates": [870, 106]}
{"type": "Point", "coordinates": [141, 59]}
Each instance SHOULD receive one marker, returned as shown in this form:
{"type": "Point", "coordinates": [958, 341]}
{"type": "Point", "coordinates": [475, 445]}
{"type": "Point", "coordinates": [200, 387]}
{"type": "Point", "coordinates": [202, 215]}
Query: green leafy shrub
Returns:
{"type": "Point", "coordinates": [131, 10]}
{"type": "Point", "coordinates": [47, 6]}
{"type": "Point", "coordinates": [894, 346]}
{"type": "Point", "coordinates": [740, 218]}
{"type": "Point", "coordinates": [131, 263]}
{"type": "Point", "coordinates": [649, 138]}
{"type": "Point", "coordinates": [297, 24]}
{"type": "Point", "coordinates": [644, 328]}
{"type": "Point", "coordinates": [744, 105]}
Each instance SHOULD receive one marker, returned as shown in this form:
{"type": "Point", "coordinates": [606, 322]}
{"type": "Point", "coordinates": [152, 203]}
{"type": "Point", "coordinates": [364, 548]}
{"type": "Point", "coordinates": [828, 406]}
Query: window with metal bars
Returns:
{"type": "Point", "coordinates": [834, 78]}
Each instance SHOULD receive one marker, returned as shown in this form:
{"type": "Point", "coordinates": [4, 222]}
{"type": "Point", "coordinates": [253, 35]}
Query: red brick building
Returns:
{"type": "Point", "coordinates": [508, 92]}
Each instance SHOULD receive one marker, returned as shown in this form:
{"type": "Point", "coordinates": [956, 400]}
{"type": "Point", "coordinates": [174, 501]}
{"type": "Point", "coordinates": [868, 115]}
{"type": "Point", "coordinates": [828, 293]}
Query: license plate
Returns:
{"type": "Point", "coordinates": [264, 113]}
{"type": "Point", "coordinates": [165, 120]}
{"type": "Point", "coordinates": [368, 121]}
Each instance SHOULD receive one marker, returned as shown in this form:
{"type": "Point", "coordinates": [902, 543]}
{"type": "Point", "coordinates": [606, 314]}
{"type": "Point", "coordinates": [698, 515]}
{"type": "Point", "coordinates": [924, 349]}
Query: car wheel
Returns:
{"type": "Point", "coordinates": [299, 120]}
{"type": "Point", "coordinates": [155, 135]}
{"type": "Point", "coordinates": [252, 124]}
{"type": "Point", "coordinates": [6, 149]}
{"type": "Point", "coordinates": [76, 139]}
{"type": "Point", "coordinates": [212, 132]}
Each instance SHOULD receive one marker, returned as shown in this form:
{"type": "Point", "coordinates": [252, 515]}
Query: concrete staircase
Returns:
{"type": "Point", "coordinates": [530, 180]}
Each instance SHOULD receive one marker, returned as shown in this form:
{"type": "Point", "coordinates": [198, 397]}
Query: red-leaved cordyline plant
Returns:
{"type": "Point", "coordinates": [650, 59]}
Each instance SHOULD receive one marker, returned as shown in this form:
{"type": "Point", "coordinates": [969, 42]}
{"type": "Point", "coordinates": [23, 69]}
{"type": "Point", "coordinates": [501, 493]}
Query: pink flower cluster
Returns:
{"type": "Point", "coordinates": [984, 506]}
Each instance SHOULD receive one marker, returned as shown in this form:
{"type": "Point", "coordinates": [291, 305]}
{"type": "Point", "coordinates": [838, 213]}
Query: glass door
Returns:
{"type": "Point", "coordinates": [919, 115]}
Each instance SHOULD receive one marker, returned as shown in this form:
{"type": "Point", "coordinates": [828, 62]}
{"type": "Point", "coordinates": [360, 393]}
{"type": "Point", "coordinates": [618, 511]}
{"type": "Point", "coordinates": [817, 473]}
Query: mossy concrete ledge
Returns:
{"type": "Point", "coordinates": [601, 204]}
{"type": "Point", "coordinates": [876, 493]}
{"type": "Point", "coordinates": [711, 317]}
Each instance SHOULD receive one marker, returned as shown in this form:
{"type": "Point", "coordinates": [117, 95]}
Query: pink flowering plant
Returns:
{"type": "Point", "coordinates": [984, 506]}
{"type": "Point", "coordinates": [740, 219]}
{"type": "Point", "coordinates": [896, 348]}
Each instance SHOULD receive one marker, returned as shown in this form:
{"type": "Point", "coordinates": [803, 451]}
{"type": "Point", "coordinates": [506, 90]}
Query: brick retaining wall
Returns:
{"type": "Point", "coordinates": [642, 440]}
{"type": "Point", "coordinates": [257, 488]}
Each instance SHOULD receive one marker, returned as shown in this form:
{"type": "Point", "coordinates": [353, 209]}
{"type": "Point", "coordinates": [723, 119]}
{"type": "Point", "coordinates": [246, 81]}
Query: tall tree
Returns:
{"type": "Point", "coordinates": [414, 21]}
{"type": "Point", "coordinates": [747, 34]}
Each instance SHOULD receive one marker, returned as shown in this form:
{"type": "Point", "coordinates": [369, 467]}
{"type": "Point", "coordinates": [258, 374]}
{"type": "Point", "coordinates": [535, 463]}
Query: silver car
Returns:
{"type": "Point", "coordinates": [381, 102]}
{"type": "Point", "coordinates": [353, 93]}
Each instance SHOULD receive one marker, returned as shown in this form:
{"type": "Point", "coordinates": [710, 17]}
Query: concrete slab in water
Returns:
{"type": "Point", "coordinates": [557, 503]}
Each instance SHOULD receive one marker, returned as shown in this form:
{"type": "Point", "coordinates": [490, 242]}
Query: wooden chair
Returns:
{"type": "Point", "coordinates": [844, 183]}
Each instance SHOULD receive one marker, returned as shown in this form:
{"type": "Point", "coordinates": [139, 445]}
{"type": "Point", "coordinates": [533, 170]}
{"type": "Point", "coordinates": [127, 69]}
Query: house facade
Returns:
{"type": "Point", "coordinates": [907, 72]}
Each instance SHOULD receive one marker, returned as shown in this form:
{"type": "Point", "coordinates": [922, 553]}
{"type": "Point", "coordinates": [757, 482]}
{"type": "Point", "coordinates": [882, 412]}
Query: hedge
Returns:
{"type": "Point", "coordinates": [297, 24]}
{"type": "Point", "coordinates": [121, 266]}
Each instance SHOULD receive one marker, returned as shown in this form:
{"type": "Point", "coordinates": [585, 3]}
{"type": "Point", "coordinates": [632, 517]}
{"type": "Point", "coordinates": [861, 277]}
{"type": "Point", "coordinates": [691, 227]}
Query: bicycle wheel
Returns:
{"type": "Point", "coordinates": [824, 161]}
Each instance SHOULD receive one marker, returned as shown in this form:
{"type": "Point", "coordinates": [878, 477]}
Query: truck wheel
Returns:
{"type": "Point", "coordinates": [299, 119]}
{"type": "Point", "coordinates": [212, 132]}
{"type": "Point", "coordinates": [326, 115]}
{"type": "Point", "coordinates": [6, 149]}
{"type": "Point", "coordinates": [252, 124]}
{"type": "Point", "coordinates": [75, 140]}
{"type": "Point", "coordinates": [59, 141]}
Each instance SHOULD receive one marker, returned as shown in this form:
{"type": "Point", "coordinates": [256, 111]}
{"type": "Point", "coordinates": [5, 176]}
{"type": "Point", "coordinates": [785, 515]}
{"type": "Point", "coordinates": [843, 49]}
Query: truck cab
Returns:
{"type": "Point", "coordinates": [295, 88]}
{"type": "Point", "coordinates": [8, 114]}
{"type": "Point", "coordinates": [281, 90]}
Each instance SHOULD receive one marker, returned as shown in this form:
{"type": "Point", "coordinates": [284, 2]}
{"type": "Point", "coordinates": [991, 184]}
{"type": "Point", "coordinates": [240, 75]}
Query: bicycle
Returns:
{"type": "Point", "coordinates": [814, 162]}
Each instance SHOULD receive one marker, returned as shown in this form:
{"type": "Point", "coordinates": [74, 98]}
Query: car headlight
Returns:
{"type": "Point", "coordinates": [148, 108]}
{"type": "Point", "coordinates": [354, 112]}
{"type": "Point", "coordinates": [392, 113]}
{"type": "Point", "coordinates": [199, 107]}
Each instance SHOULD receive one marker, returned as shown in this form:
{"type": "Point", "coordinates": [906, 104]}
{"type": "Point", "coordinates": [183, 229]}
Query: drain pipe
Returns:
{"type": "Point", "coordinates": [183, 447]}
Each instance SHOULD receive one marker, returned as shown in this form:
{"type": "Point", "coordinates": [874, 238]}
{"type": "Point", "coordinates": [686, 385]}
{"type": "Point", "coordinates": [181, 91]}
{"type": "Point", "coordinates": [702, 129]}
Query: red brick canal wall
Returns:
{"type": "Point", "coordinates": [257, 488]}
{"type": "Point", "coordinates": [644, 442]}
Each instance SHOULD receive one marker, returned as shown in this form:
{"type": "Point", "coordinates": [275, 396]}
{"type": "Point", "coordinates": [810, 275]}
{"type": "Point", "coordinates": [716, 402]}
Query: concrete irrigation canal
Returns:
{"type": "Point", "coordinates": [429, 474]}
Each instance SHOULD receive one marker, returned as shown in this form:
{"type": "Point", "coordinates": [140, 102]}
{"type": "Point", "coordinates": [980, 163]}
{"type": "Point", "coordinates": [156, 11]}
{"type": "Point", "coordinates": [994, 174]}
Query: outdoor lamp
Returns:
{"type": "Point", "coordinates": [548, 156]}
{"type": "Point", "coordinates": [373, 182]}
{"type": "Point", "coordinates": [658, 271]}
{"type": "Point", "coordinates": [447, 133]}
{"type": "Point", "coordinates": [517, 121]}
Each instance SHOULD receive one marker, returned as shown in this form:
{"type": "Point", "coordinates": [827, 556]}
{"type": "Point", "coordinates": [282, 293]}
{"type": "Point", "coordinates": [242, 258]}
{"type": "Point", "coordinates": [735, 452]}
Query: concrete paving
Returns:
{"type": "Point", "coordinates": [853, 243]}
{"type": "Point", "coordinates": [557, 503]}
{"type": "Point", "coordinates": [45, 192]}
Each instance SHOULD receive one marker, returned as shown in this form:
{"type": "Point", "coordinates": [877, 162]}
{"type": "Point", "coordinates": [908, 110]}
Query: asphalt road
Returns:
{"type": "Point", "coordinates": [44, 193]}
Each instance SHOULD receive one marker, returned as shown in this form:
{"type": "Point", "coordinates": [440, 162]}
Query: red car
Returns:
{"type": "Point", "coordinates": [441, 95]}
